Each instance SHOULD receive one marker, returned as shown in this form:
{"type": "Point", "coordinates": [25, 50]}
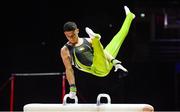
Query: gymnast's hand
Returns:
{"type": "Point", "coordinates": [72, 93]}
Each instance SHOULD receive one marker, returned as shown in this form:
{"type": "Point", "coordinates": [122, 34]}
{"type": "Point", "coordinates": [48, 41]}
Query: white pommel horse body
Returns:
{"type": "Point", "coordinates": [98, 107]}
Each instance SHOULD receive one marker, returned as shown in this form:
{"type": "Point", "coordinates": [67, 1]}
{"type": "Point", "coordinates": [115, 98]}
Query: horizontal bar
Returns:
{"type": "Point", "coordinates": [37, 74]}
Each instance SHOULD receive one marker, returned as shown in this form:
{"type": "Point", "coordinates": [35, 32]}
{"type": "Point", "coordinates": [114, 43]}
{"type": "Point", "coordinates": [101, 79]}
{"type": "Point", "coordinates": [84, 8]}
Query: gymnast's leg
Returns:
{"type": "Point", "coordinates": [104, 60]}
{"type": "Point", "coordinates": [114, 46]}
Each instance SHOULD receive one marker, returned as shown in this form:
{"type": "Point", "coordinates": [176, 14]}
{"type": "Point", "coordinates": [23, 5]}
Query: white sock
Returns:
{"type": "Point", "coordinates": [91, 33]}
{"type": "Point", "coordinates": [119, 66]}
{"type": "Point", "coordinates": [115, 61]}
{"type": "Point", "coordinates": [127, 11]}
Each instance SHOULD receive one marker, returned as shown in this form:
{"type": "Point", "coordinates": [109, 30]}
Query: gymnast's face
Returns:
{"type": "Point", "coordinates": [72, 36]}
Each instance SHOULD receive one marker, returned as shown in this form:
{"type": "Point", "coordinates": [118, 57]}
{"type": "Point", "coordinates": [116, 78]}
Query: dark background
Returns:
{"type": "Point", "coordinates": [33, 37]}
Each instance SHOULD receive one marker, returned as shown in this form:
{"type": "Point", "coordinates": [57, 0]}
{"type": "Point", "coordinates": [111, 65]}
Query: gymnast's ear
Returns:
{"type": "Point", "coordinates": [77, 30]}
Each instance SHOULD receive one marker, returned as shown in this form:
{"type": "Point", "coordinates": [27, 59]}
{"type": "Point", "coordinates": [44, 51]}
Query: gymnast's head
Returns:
{"type": "Point", "coordinates": [71, 31]}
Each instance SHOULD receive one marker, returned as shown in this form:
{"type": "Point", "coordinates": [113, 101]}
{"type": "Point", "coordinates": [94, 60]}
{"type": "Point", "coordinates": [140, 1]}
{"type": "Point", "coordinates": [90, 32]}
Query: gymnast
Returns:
{"type": "Point", "coordinates": [89, 55]}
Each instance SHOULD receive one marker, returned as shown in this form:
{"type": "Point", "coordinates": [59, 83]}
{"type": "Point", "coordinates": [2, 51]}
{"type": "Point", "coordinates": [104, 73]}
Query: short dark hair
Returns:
{"type": "Point", "coordinates": [69, 26]}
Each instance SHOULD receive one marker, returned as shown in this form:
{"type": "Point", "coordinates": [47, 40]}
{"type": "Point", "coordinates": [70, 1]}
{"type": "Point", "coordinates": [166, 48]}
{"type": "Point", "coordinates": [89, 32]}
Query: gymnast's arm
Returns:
{"type": "Point", "coordinates": [65, 55]}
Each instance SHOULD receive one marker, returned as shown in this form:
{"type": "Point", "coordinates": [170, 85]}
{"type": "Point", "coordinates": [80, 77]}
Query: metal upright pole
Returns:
{"type": "Point", "coordinates": [63, 86]}
{"type": "Point", "coordinates": [12, 93]}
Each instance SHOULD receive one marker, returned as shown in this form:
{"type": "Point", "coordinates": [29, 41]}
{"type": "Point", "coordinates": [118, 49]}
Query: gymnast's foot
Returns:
{"type": "Point", "coordinates": [118, 66]}
{"type": "Point", "coordinates": [92, 34]}
{"type": "Point", "coordinates": [122, 72]}
{"type": "Point", "coordinates": [127, 11]}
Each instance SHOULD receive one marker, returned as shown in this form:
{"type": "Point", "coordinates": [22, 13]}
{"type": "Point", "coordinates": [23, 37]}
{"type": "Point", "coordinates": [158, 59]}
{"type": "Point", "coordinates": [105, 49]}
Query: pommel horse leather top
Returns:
{"type": "Point", "coordinates": [98, 107]}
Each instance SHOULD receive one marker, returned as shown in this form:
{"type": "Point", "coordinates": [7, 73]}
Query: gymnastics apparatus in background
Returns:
{"type": "Point", "coordinates": [12, 79]}
{"type": "Point", "coordinates": [74, 107]}
{"type": "Point", "coordinates": [98, 107]}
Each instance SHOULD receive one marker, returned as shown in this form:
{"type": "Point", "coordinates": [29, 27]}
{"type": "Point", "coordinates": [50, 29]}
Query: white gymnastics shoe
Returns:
{"type": "Point", "coordinates": [91, 33]}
